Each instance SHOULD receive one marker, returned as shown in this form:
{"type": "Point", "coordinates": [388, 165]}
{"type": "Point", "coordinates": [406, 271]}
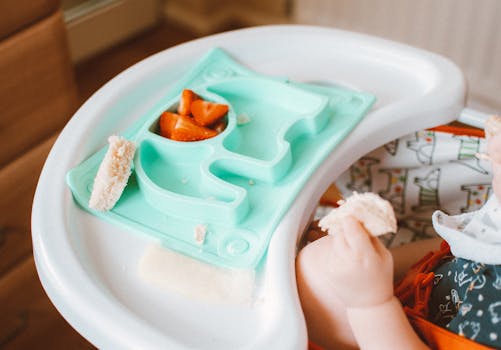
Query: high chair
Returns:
{"type": "Point", "coordinates": [89, 267]}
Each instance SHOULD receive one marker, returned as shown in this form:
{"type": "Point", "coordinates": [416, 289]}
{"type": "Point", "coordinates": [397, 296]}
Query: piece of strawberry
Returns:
{"type": "Point", "coordinates": [182, 128]}
{"type": "Point", "coordinates": [206, 113]}
{"type": "Point", "coordinates": [186, 129]}
{"type": "Point", "coordinates": [187, 98]}
{"type": "Point", "coordinates": [167, 123]}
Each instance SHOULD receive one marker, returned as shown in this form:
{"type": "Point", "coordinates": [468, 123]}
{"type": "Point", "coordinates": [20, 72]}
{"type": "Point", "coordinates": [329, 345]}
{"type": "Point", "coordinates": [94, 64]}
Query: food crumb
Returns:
{"type": "Point", "coordinates": [251, 182]}
{"type": "Point", "coordinates": [200, 233]}
{"type": "Point", "coordinates": [243, 119]}
{"type": "Point", "coordinates": [184, 181]}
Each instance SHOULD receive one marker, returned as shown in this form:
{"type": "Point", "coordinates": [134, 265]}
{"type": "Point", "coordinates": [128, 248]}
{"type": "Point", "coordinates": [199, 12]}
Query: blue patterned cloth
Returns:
{"type": "Point", "coordinates": [466, 299]}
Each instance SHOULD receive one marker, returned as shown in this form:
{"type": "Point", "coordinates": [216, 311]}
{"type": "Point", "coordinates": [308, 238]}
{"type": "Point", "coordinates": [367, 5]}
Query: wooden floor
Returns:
{"type": "Point", "coordinates": [28, 320]}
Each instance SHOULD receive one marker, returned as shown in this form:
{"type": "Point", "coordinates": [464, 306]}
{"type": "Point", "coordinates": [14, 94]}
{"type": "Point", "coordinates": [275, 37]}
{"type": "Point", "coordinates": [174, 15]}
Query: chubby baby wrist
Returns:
{"type": "Point", "coordinates": [383, 326]}
{"type": "Point", "coordinates": [371, 307]}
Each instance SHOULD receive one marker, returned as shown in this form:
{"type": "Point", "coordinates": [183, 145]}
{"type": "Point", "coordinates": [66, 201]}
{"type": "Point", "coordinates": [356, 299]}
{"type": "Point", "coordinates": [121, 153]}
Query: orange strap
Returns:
{"type": "Point", "coordinates": [438, 338]}
{"type": "Point", "coordinates": [415, 288]}
{"type": "Point", "coordinates": [414, 292]}
{"type": "Point", "coordinates": [459, 130]}
{"type": "Point", "coordinates": [313, 346]}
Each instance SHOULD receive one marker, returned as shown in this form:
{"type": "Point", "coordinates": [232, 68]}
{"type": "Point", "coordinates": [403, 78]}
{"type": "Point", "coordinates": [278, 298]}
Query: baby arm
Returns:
{"type": "Point", "coordinates": [361, 270]}
{"type": "Point", "coordinates": [346, 286]}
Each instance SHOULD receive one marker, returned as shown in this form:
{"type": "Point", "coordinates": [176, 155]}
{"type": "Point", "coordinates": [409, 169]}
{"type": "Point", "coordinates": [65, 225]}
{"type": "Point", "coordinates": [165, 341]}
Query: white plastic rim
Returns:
{"type": "Point", "coordinates": [89, 267]}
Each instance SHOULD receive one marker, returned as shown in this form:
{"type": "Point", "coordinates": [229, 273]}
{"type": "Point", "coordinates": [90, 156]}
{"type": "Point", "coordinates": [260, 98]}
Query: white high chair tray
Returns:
{"type": "Point", "coordinates": [88, 267]}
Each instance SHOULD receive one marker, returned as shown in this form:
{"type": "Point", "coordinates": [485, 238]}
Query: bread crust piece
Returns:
{"type": "Point", "coordinates": [113, 174]}
{"type": "Point", "coordinates": [375, 213]}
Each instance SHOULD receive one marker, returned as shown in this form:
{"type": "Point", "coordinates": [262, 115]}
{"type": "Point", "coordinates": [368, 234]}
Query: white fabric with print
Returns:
{"type": "Point", "coordinates": [420, 173]}
{"type": "Point", "coordinates": [474, 236]}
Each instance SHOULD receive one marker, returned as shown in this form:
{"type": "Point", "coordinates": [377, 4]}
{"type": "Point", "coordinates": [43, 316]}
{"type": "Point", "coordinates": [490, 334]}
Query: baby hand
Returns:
{"type": "Point", "coordinates": [360, 267]}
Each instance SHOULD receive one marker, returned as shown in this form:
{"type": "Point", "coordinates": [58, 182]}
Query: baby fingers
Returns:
{"type": "Point", "coordinates": [356, 236]}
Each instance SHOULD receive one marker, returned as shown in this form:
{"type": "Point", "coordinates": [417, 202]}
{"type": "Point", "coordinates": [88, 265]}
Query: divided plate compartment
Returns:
{"type": "Point", "coordinates": [238, 184]}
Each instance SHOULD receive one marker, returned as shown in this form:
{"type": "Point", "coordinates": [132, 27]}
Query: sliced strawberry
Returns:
{"type": "Point", "coordinates": [187, 98]}
{"type": "Point", "coordinates": [207, 113]}
{"type": "Point", "coordinates": [182, 128]}
{"type": "Point", "coordinates": [167, 123]}
{"type": "Point", "coordinates": [186, 129]}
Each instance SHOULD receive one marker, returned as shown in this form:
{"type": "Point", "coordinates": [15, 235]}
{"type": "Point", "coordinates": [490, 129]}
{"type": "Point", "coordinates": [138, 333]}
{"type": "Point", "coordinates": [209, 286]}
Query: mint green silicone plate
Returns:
{"type": "Point", "coordinates": [238, 184]}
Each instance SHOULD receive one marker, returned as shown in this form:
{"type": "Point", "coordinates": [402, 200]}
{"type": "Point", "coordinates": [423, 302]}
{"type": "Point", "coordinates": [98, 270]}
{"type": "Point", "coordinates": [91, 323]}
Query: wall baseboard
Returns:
{"type": "Point", "coordinates": [102, 24]}
{"type": "Point", "coordinates": [202, 23]}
